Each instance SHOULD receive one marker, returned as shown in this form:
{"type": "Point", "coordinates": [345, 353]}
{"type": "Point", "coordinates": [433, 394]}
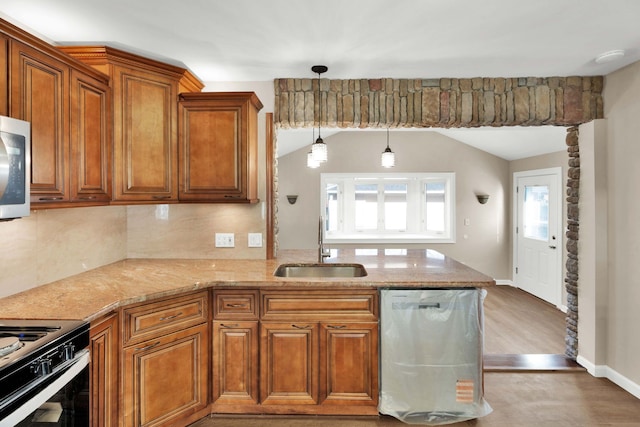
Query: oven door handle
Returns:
{"type": "Point", "coordinates": [70, 370]}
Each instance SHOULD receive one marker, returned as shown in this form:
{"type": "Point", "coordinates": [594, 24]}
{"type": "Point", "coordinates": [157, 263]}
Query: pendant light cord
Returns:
{"type": "Point", "coordinates": [319, 107]}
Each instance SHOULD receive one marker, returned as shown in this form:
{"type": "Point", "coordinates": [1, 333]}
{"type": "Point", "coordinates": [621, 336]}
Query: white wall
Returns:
{"type": "Point", "coordinates": [622, 111]}
{"type": "Point", "coordinates": [593, 300]}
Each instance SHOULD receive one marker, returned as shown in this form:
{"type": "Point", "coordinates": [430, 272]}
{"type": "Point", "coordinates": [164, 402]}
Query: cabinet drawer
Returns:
{"type": "Point", "coordinates": [153, 319]}
{"type": "Point", "coordinates": [235, 304]}
{"type": "Point", "coordinates": [319, 305]}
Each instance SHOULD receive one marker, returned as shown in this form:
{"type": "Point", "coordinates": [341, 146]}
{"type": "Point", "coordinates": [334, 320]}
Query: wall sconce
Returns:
{"type": "Point", "coordinates": [292, 198]}
{"type": "Point", "coordinates": [482, 198]}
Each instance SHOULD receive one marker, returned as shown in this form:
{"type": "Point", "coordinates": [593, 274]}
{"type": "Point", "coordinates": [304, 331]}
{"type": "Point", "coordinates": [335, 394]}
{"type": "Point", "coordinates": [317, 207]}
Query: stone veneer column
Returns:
{"type": "Point", "coordinates": [447, 102]}
{"type": "Point", "coordinates": [572, 234]}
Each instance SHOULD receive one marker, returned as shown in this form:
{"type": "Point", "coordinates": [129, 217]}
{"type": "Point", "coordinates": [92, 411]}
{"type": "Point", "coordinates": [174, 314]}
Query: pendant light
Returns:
{"type": "Point", "coordinates": [311, 162]}
{"type": "Point", "coordinates": [388, 159]}
{"type": "Point", "coordinates": [319, 148]}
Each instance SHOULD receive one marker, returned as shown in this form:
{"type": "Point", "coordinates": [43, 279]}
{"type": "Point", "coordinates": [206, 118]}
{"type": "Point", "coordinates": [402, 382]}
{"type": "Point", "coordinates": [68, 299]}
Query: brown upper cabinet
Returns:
{"type": "Point", "coordinates": [40, 95]}
{"type": "Point", "coordinates": [90, 171]}
{"type": "Point", "coordinates": [218, 147]}
{"type": "Point", "coordinates": [67, 104]}
{"type": "Point", "coordinates": [145, 122]}
{"type": "Point", "coordinates": [4, 75]}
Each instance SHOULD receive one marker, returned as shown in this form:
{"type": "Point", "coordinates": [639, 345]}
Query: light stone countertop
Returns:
{"type": "Point", "coordinates": [93, 293]}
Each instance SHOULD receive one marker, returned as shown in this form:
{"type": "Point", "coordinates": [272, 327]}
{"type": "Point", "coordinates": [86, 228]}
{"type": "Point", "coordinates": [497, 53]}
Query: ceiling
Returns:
{"type": "Point", "coordinates": [252, 40]}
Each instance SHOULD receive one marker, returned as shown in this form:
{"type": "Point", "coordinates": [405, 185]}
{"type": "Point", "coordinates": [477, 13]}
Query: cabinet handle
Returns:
{"type": "Point", "coordinates": [148, 347]}
{"type": "Point", "coordinates": [228, 196]}
{"type": "Point", "coordinates": [162, 319]}
{"type": "Point", "coordinates": [336, 326]}
{"type": "Point", "coordinates": [236, 305]}
{"type": "Point", "coordinates": [233, 325]}
{"type": "Point", "coordinates": [50, 199]}
{"type": "Point", "coordinates": [302, 327]}
{"type": "Point", "coordinates": [160, 197]}
{"type": "Point", "coordinates": [87, 198]}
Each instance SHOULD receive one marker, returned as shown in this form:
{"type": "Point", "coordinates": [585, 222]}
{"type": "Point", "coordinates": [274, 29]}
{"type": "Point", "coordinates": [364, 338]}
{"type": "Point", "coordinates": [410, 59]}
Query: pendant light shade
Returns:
{"type": "Point", "coordinates": [388, 158]}
{"type": "Point", "coordinates": [319, 148]}
{"type": "Point", "coordinates": [311, 161]}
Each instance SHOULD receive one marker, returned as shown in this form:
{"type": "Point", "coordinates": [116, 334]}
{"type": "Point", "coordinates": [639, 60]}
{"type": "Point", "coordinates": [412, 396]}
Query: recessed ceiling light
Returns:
{"type": "Point", "coordinates": [612, 55]}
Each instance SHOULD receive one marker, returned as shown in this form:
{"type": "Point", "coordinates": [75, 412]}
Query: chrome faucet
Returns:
{"type": "Point", "coordinates": [321, 252]}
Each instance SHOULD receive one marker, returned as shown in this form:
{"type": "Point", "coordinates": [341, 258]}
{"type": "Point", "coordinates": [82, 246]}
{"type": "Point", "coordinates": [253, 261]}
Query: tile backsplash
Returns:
{"type": "Point", "coordinates": [53, 244]}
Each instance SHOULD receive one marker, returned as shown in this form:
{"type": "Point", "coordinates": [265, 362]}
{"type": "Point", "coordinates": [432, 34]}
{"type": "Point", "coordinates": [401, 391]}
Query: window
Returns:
{"type": "Point", "coordinates": [389, 208]}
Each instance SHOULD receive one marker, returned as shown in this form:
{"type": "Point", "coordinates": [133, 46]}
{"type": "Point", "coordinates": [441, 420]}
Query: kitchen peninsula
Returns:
{"type": "Point", "coordinates": [246, 341]}
{"type": "Point", "coordinates": [93, 293]}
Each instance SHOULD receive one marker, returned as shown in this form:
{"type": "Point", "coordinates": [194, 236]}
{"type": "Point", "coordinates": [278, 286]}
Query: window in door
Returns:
{"type": "Point", "coordinates": [535, 214]}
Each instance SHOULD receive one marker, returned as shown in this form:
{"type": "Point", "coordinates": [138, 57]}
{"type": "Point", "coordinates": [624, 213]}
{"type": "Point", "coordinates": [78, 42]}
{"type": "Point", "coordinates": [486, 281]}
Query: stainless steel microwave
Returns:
{"type": "Point", "coordinates": [15, 168]}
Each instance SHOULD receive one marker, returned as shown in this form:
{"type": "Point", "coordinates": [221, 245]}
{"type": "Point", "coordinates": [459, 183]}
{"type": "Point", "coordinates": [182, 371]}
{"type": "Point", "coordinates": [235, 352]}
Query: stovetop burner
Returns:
{"type": "Point", "coordinates": [9, 345]}
{"type": "Point", "coordinates": [27, 333]}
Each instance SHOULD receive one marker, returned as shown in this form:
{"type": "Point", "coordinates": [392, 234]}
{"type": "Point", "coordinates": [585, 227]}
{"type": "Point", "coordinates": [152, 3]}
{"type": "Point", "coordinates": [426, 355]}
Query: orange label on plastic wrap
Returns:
{"type": "Point", "coordinates": [464, 391]}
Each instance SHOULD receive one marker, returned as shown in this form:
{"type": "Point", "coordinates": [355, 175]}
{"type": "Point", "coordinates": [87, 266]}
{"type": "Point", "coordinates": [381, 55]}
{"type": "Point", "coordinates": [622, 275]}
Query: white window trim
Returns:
{"type": "Point", "coordinates": [412, 235]}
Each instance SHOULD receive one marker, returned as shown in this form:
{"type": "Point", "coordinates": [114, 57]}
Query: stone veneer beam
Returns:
{"type": "Point", "coordinates": [445, 103]}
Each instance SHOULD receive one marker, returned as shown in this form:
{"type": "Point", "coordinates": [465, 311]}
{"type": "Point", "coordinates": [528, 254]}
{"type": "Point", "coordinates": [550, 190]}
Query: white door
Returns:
{"type": "Point", "coordinates": [538, 241]}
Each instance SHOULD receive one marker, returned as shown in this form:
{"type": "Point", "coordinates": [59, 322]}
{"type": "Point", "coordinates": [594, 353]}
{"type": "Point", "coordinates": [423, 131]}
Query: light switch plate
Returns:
{"type": "Point", "coordinates": [255, 240]}
{"type": "Point", "coordinates": [225, 240]}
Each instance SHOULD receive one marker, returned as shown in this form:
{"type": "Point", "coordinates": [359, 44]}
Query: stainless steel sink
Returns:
{"type": "Point", "coordinates": [320, 270]}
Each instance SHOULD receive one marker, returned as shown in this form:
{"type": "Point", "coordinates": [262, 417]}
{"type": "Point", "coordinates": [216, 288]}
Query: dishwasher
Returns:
{"type": "Point", "coordinates": [431, 346]}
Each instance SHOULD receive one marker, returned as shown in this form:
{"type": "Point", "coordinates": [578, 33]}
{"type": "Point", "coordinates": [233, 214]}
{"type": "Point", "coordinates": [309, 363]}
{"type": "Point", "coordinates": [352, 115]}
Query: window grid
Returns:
{"type": "Point", "coordinates": [388, 208]}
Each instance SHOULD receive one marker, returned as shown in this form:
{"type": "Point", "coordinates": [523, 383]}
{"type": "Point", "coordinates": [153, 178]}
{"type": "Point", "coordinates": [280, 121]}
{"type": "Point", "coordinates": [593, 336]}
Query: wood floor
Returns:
{"type": "Point", "coordinates": [516, 323]}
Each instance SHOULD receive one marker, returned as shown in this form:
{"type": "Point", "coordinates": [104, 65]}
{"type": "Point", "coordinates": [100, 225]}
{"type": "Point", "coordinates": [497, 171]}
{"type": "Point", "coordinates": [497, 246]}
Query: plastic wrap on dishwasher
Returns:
{"type": "Point", "coordinates": [431, 345]}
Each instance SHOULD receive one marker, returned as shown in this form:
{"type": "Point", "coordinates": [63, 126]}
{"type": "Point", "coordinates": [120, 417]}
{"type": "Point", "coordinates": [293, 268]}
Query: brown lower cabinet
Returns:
{"type": "Point", "coordinates": [103, 348]}
{"type": "Point", "coordinates": [319, 364]}
{"type": "Point", "coordinates": [164, 367]}
{"type": "Point", "coordinates": [303, 352]}
{"type": "Point", "coordinates": [170, 362]}
{"type": "Point", "coordinates": [235, 363]}
{"type": "Point", "coordinates": [165, 378]}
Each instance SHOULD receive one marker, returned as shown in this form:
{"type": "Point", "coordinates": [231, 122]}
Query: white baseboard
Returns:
{"type": "Point", "coordinates": [603, 371]}
{"type": "Point", "coordinates": [504, 282]}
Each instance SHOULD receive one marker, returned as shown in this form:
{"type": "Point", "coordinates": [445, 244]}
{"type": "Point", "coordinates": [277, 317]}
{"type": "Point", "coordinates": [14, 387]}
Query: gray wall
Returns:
{"type": "Point", "coordinates": [483, 245]}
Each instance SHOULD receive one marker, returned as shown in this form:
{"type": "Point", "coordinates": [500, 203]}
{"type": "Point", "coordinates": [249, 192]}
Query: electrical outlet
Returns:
{"type": "Point", "coordinates": [255, 240]}
{"type": "Point", "coordinates": [225, 240]}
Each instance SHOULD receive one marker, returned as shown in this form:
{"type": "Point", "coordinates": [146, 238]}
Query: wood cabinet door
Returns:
{"type": "Point", "coordinates": [165, 379]}
{"type": "Point", "coordinates": [145, 136]}
{"type": "Point", "coordinates": [40, 95]}
{"type": "Point", "coordinates": [90, 174]}
{"type": "Point", "coordinates": [218, 147]}
{"type": "Point", "coordinates": [104, 371]}
{"type": "Point", "coordinates": [288, 363]}
{"type": "Point", "coordinates": [4, 75]}
{"type": "Point", "coordinates": [235, 362]}
{"type": "Point", "coordinates": [349, 363]}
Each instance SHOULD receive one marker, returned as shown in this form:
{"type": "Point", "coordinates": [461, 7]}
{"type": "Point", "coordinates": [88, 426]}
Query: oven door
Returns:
{"type": "Point", "coordinates": [60, 398]}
